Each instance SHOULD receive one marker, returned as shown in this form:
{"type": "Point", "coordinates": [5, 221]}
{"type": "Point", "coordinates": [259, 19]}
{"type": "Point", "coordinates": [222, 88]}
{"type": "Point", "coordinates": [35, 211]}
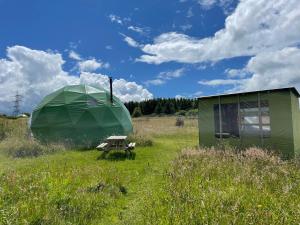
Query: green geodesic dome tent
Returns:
{"type": "Point", "coordinates": [80, 115]}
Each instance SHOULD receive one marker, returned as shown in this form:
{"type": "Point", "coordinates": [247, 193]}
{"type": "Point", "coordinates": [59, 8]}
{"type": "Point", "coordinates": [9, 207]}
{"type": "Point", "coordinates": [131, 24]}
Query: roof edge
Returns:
{"type": "Point", "coordinates": [293, 89]}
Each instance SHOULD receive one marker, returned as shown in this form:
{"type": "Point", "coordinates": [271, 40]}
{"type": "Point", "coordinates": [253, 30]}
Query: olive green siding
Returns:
{"type": "Point", "coordinates": [296, 123]}
{"type": "Point", "coordinates": [284, 121]}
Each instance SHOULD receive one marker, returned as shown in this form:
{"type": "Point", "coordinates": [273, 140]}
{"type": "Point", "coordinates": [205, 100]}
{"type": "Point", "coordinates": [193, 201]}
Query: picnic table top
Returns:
{"type": "Point", "coordinates": [117, 138]}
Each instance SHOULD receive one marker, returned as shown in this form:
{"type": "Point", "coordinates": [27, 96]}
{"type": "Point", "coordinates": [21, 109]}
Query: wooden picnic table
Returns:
{"type": "Point", "coordinates": [116, 143]}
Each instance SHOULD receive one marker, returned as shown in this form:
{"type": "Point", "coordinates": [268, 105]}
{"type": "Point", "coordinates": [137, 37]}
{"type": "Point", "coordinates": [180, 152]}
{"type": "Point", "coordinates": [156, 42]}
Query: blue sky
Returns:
{"type": "Point", "coordinates": [166, 48]}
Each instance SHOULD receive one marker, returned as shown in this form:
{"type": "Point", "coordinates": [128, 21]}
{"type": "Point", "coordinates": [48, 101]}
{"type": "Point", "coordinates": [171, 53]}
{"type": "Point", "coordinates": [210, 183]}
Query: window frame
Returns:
{"type": "Point", "coordinates": [257, 109]}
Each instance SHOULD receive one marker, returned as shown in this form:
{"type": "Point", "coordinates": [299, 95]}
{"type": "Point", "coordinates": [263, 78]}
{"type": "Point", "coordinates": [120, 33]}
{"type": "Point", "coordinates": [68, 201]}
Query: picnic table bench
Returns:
{"type": "Point", "coordinates": [116, 143]}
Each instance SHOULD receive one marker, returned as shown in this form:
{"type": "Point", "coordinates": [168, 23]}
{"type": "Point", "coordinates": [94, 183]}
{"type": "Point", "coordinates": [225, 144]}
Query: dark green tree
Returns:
{"type": "Point", "coordinates": [158, 109]}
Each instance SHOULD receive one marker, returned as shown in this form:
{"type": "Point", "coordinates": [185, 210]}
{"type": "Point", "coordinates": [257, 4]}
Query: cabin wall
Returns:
{"type": "Point", "coordinates": [296, 123]}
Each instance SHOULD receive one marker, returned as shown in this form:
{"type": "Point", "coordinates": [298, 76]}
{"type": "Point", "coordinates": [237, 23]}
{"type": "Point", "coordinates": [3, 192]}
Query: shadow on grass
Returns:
{"type": "Point", "coordinates": [116, 156]}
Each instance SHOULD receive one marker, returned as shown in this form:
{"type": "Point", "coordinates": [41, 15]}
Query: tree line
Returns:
{"type": "Point", "coordinates": [161, 106]}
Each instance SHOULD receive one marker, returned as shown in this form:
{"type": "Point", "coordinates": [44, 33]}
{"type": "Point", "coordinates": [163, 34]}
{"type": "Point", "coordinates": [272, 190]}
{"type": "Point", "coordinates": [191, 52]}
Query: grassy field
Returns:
{"type": "Point", "coordinates": [170, 182]}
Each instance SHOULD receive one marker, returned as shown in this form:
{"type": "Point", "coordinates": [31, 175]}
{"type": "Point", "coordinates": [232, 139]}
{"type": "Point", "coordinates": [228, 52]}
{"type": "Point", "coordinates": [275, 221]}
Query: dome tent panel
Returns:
{"type": "Point", "coordinates": [80, 114]}
{"type": "Point", "coordinates": [75, 111]}
{"type": "Point", "coordinates": [117, 112]}
{"type": "Point", "coordinates": [49, 98]}
{"type": "Point", "coordinates": [62, 118]}
{"type": "Point", "coordinates": [86, 120]}
{"type": "Point", "coordinates": [75, 88]}
{"type": "Point", "coordinates": [71, 97]}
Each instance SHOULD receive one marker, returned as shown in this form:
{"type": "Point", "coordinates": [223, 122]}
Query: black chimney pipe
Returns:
{"type": "Point", "coordinates": [111, 90]}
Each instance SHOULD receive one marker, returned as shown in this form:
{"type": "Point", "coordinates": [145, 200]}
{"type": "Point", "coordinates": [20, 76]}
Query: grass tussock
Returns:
{"type": "Point", "coordinates": [141, 140]}
{"type": "Point", "coordinates": [16, 141]}
{"type": "Point", "coordinates": [222, 187]}
{"type": "Point", "coordinates": [22, 148]}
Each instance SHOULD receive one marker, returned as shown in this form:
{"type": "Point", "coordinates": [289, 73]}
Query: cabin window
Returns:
{"type": "Point", "coordinates": [244, 119]}
{"type": "Point", "coordinates": [229, 118]}
{"type": "Point", "coordinates": [253, 121]}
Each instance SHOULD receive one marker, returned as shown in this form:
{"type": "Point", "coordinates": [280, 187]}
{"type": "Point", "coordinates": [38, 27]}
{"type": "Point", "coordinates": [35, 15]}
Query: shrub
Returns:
{"type": "Point", "coordinates": [179, 121]}
{"type": "Point", "coordinates": [140, 140]}
{"type": "Point", "coordinates": [192, 113]}
{"type": "Point", "coordinates": [137, 112]}
{"type": "Point", "coordinates": [181, 113]}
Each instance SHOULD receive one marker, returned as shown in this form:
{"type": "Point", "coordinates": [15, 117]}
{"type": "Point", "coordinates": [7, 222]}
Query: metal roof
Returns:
{"type": "Point", "coordinates": [293, 89]}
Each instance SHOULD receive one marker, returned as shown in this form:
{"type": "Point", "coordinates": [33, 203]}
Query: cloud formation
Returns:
{"type": "Point", "coordinates": [266, 31]}
{"type": "Point", "coordinates": [268, 70]}
{"type": "Point", "coordinates": [87, 65]}
{"type": "Point", "coordinates": [74, 55]}
{"type": "Point", "coordinates": [226, 5]}
{"type": "Point", "coordinates": [35, 73]}
{"type": "Point", "coordinates": [163, 77]}
{"type": "Point", "coordinates": [91, 65]}
{"type": "Point", "coordinates": [253, 27]}
{"type": "Point", "coordinates": [131, 42]}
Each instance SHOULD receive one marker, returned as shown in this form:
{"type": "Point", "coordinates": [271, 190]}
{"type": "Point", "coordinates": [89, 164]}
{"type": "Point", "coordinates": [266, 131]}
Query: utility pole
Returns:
{"type": "Point", "coordinates": [17, 101]}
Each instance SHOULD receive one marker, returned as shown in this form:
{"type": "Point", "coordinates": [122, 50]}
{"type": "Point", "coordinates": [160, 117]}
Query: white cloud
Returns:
{"type": "Point", "coordinates": [34, 74]}
{"type": "Point", "coordinates": [224, 4]}
{"type": "Point", "coordinates": [179, 96]}
{"type": "Point", "coordinates": [74, 55]}
{"type": "Point", "coordinates": [162, 77]}
{"type": "Point", "coordinates": [171, 74]}
{"type": "Point", "coordinates": [136, 29]}
{"type": "Point", "coordinates": [190, 13]}
{"type": "Point", "coordinates": [193, 95]}
{"type": "Point", "coordinates": [236, 73]}
{"type": "Point", "coordinates": [255, 26]}
{"type": "Point", "coordinates": [155, 82]}
{"type": "Point", "coordinates": [131, 42]}
{"type": "Point", "coordinates": [115, 19]}
{"type": "Point", "coordinates": [108, 47]}
{"type": "Point", "coordinates": [273, 69]}
{"type": "Point", "coordinates": [268, 70]}
{"type": "Point", "coordinates": [197, 93]}
{"type": "Point", "coordinates": [125, 90]}
{"type": "Point", "coordinates": [218, 82]}
{"type": "Point", "coordinates": [186, 27]}
{"type": "Point", "coordinates": [207, 4]}
{"type": "Point", "coordinates": [89, 65]}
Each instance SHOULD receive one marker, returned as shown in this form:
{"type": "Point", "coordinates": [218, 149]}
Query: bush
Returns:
{"type": "Point", "coordinates": [140, 140]}
{"type": "Point", "coordinates": [179, 121]}
{"type": "Point", "coordinates": [137, 112]}
{"type": "Point", "coordinates": [192, 113]}
{"type": "Point", "coordinates": [21, 148]}
{"type": "Point", "coordinates": [181, 113]}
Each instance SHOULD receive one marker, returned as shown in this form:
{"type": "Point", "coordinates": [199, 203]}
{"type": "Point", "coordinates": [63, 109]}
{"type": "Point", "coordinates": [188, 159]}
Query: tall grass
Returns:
{"type": "Point", "coordinates": [156, 126]}
{"type": "Point", "coordinates": [13, 128]}
{"type": "Point", "coordinates": [223, 187]}
{"type": "Point", "coordinates": [16, 140]}
{"type": "Point", "coordinates": [58, 195]}
{"type": "Point", "coordinates": [160, 186]}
